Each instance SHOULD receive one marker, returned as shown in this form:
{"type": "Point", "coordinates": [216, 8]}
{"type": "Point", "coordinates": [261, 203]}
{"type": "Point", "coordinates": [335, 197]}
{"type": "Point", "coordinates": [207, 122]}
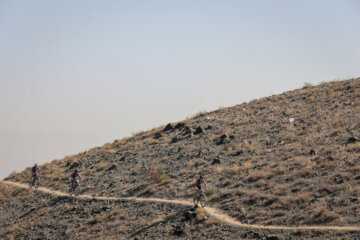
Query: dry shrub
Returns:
{"type": "Point", "coordinates": [288, 136]}
{"type": "Point", "coordinates": [158, 174]}
{"type": "Point", "coordinates": [115, 214]}
{"type": "Point", "coordinates": [3, 199]}
{"type": "Point", "coordinates": [123, 141]}
{"type": "Point", "coordinates": [83, 228]}
{"type": "Point", "coordinates": [255, 176]}
{"type": "Point", "coordinates": [280, 169]}
{"type": "Point", "coordinates": [152, 141]}
{"type": "Point", "coordinates": [279, 191]}
{"type": "Point", "coordinates": [16, 228]}
{"type": "Point", "coordinates": [182, 172]}
{"type": "Point", "coordinates": [219, 169]}
{"type": "Point", "coordinates": [355, 83]}
{"type": "Point", "coordinates": [305, 172]}
{"type": "Point", "coordinates": [235, 169]}
{"type": "Point", "coordinates": [301, 182]}
{"type": "Point", "coordinates": [122, 228]}
{"type": "Point", "coordinates": [108, 147]}
{"type": "Point", "coordinates": [137, 134]}
{"type": "Point", "coordinates": [279, 213]}
{"type": "Point", "coordinates": [200, 162]}
{"type": "Point", "coordinates": [39, 212]}
{"type": "Point", "coordinates": [246, 165]}
{"type": "Point", "coordinates": [227, 182]}
{"type": "Point", "coordinates": [71, 159]}
{"type": "Point", "coordinates": [337, 85]}
{"type": "Point", "coordinates": [303, 161]}
{"type": "Point", "coordinates": [271, 200]}
{"type": "Point", "coordinates": [97, 228]}
{"type": "Point", "coordinates": [355, 147]}
{"type": "Point", "coordinates": [143, 222]}
{"type": "Point", "coordinates": [302, 198]}
{"type": "Point", "coordinates": [261, 183]}
{"type": "Point", "coordinates": [166, 181]}
{"type": "Point", "coordinates": [339, 177]}
{"type": "Point", "coordinates": [10, 237]}
{"type": "Point", "coordinates": [95, 220]}
{"type": "Point", "coordinates": [322, 215]}
{"type": "Point", "coordinates": [252, 145]}
{"type": "Point", "coordinates": [12, 175]}
{"type": "Point", "coordinates": [102, 166]}
{"type": "Point", "coordinates": [311, 99]}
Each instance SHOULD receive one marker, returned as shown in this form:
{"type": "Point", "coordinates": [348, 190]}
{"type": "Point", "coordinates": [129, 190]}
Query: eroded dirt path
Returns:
{"type": "Point", "coordinates": [211, 211]}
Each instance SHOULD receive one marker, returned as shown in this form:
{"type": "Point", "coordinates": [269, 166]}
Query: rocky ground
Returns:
{"type": "Point", "coordinates": [30, 214]}
{"type": "Point", "coordinates": [290, 159]}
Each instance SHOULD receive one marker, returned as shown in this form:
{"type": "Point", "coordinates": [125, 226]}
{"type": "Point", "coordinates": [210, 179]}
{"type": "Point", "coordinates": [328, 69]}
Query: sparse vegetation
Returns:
{"type": "Point", "coordinates": [289, 159]}
{"type": "Point", "coordinates": [158, 174]}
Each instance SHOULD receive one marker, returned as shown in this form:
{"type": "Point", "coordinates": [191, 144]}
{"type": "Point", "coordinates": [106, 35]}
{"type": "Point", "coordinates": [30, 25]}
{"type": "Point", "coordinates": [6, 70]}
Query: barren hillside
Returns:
{"type": "Point", "coordinates": [287, 160]}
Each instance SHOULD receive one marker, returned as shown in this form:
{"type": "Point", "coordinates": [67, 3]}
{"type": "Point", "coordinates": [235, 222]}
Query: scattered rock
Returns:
{"type": "Point", "coordinates": [253, 234]}
{"type": "Point", "coordinates": [122, 159]}
{"type": "Point", "coordinates": [237, 153]}
{"type": "Point", "coordinates": [222, 137]}
{"type": "Point", "coordinates": [187, 131]}
{"type": "Point", "coordinates": [168, 127]}
{"type": "Point", "coordinates": [221, 140]}
{"type": "Point", "coordinates": [353, 139]}
{"type": "Point", "coordinates": [231, 137]}
{"type": "Point", "coordinates": [112, 167]}
{"type": "Point", "coordinates": [174, 140]}
{"type": "Point", "coordinates": [179, 230]}
{"type": "Point", "coordinates": [208, 127]}
{"type": "Point", "coordinates": [216, 161]}
{"type": "Point", "coordinates": [271, 238]}
{"type": "Point", "coordinates": [180, 126]}
{"type": "Point", "coordinates": [75, 165]}
{"type": "Point", "coordinates": [312, 152]}
{"type": "Point", "coordinates": [157, 135]}
{"type": "Point", "coordinates": [190, 214]}
{"type": "Point", "coordinates": [198, 130]}
{"type": "Point", "coordinates": [354, 199]}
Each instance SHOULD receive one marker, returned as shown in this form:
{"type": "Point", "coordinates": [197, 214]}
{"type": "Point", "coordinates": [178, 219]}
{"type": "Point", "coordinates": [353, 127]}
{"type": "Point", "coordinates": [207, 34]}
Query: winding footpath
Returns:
{"type": "Point", "coordinates": [211, 211]}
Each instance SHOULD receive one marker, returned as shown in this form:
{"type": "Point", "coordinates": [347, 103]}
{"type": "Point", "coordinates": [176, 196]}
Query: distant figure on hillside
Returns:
{"type": "Point", "coordinates": [35, 171]}
{"type": "Point", "coordinates": [198, 184]}
{"type": "Point", "coordinates": [73, 177]}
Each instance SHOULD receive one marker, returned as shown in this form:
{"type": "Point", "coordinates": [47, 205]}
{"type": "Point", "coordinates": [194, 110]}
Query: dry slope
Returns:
{"type": "Point", "coordinates": [290, 159]}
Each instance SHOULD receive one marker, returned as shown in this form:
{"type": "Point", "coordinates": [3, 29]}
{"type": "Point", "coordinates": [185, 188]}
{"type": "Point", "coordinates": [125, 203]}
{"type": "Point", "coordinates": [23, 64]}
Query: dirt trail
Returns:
{"type": "Point", "coordinates": [212, 211]}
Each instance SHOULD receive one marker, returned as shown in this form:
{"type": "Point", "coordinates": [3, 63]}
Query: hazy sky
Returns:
{"type": "Point", "coordinates": [101, 70]}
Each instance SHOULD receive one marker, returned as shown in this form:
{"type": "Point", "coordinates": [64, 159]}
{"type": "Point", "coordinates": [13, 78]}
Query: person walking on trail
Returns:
{"type": "Point", "coordinates": [198, 184]}
{"type": "Point", "coordinates": [73, 177]}
{"type": "Point", "coordinates": [35, 172]}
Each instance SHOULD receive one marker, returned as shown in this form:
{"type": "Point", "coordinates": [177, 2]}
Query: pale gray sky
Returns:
{"type": "Point", "coordinates": [74, 74]}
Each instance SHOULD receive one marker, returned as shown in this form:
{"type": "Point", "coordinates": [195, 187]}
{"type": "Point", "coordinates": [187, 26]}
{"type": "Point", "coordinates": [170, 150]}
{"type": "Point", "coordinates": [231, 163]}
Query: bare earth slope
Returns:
{"type": "Point", "coordinates": [289, 160]}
